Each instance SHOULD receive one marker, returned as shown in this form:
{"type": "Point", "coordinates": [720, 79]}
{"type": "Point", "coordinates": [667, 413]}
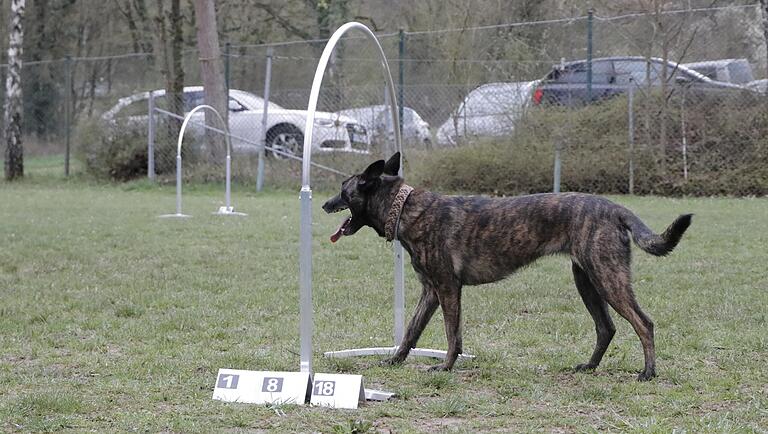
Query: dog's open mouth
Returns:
{"type": "Point", "coordinates": [343, 229]}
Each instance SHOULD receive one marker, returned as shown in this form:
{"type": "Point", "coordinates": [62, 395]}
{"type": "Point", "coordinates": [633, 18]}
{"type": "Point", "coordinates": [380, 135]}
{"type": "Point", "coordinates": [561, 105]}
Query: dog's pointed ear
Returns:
{"type": "Point", "coordinates": [374, 171]}
{"type": "Point", "coordinates": [393, 165]}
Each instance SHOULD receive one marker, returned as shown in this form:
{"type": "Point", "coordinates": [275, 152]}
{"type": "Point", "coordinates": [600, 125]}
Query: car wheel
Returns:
{"type": "Point", "coordinates": [286, 139]}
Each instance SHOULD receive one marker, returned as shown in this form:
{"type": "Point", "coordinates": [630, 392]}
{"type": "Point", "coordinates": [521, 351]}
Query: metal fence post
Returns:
{"type": "Point", "coordinates": [227, 70]}
{"type": "Point", "coordinates": [590, 20]}
{"type": "Point", "coordinates": [559, 144]}
{"type": "Point", "coordinates": [67, 110]}
{"type": "Point", "coordinates": [631, 121]}
{"type": "Point", "coordinates": [264, 115]}
{"type": "Point", "coordinates": [556, 186]}
{"type": "Point", "coordinates": [401, 76]}
{"type": "Point", "coordinates": [151, 137]}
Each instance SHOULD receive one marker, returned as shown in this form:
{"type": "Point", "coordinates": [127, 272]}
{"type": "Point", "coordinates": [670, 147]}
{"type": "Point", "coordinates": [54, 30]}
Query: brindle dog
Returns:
{"type": "Point", "coordinates": [455, 241]}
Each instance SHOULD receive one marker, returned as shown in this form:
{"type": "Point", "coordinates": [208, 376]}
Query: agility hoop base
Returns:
{"type": "Point", "coordinates": [388, 351]}
{"type": "Point", "coordinates": [177, 215]}
{"type": "Point", "coordinates": [229, 210]}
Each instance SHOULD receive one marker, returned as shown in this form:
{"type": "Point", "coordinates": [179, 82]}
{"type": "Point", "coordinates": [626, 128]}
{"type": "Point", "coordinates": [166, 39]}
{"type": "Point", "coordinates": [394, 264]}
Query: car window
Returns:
{"type": "Point", "coordinates": [707, 71]}
{"type": "Point", "coordinates": [252, 102]}
{"type": "Point", "coordinates": [497, 100]}
{"type": "Point", "coordinates": [484, 101]}
{"type": "Point", "coordinates": [193, 99]}
{"type": "Point", "coordinates": [739, 73]}
{"type": "Point", "coordinates": [602, 73]}
{"type": "Point", "coordinates": [637, 71]}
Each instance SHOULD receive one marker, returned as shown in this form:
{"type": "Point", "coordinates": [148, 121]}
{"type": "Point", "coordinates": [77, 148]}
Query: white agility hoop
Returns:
{"type": "Point", "coordinates": [227, 209]}
{"type": "Point", "coordinates": [305, 245]}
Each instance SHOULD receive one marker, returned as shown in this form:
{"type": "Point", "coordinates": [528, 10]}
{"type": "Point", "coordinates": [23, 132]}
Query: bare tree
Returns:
{"type": "Point", "coordinates": [764, 9]}
{"type": "Point", "coordinates": [169, 40]}
{"type": "Point", "coordinates": [211, 68]}
{"type": "Point", "coordinates": [14, 152]}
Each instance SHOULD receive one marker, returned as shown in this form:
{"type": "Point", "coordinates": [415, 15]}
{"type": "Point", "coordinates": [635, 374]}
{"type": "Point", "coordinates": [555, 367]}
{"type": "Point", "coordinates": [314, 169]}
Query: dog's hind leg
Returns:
{"type": "Point", "coordinates": [612, 280]}
{"type": "Point", "coordinates": [424, 310]}
{"type": "Point", "coordinates": [598, 309]}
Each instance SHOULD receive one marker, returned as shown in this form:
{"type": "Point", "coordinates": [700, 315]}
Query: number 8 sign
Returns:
{"type": "Point", "coordinates": [272, 385]}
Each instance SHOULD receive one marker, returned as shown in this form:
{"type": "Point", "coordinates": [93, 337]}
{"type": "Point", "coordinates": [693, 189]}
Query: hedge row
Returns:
{"type": "Point", "coordinates": [725, 141]}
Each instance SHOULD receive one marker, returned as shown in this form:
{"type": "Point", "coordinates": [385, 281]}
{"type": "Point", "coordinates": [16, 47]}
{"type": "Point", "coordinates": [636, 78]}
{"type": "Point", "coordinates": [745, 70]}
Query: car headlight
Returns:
{"type": "Point", "coordinates": [322, 122]}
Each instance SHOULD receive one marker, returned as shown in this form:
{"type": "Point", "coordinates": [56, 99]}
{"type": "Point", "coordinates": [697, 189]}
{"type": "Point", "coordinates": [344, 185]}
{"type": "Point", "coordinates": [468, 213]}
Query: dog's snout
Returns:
{"type": "Point", "coordinates": [333, 205]}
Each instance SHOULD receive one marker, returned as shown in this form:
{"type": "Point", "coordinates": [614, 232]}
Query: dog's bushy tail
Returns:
{"type": "Point", "coordinates": [657, 245]}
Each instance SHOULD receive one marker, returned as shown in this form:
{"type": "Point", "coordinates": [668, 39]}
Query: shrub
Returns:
{"type": "Point", "coordinates": [118, 150]}
{"type": "Point", "coordinates": [726, 138]}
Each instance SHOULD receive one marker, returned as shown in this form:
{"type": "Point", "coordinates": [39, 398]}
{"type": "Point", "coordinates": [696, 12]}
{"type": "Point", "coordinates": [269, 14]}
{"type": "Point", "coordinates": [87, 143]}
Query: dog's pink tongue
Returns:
{"type": "Point", "coordinates": [340, 231]}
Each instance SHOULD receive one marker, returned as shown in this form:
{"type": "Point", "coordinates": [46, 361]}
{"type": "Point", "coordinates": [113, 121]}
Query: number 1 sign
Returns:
{"type": "Point", "coordinates": [261, 387]}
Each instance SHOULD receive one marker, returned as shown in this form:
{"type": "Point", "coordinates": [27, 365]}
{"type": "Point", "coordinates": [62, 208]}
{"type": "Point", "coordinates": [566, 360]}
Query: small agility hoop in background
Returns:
{"type": "Point", "coordinates": [227, 209]}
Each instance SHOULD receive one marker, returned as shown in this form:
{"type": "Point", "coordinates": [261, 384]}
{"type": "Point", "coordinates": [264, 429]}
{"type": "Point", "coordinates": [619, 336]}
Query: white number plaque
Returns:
{"type": "Point", "coordinates": [337, 390]}
{"type": "Point", "coordinates": [261, 387]}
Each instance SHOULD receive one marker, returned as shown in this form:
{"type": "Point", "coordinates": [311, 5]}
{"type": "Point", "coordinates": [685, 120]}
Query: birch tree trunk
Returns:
{"type": "Point", "coordinates": [14, 152]}
{"type": "Point", "coordinates": [211, 68]}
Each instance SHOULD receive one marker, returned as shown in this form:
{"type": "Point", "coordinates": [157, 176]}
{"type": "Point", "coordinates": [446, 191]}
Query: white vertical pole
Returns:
{"type": "Point", "coordinates": [399, 301]}
{"type": "Point", "coordinates": [305, 239]}
{"type": "Point", "coordinates": [228, 181]}
{"type": "Point", "coordinates": [151, 138]}
{"type": "Point", "coordinates": [264, 115]}
{"type": "Point", "coordinates": [305, 277]}
{"type": "Point", "coordinates": [178, 184]}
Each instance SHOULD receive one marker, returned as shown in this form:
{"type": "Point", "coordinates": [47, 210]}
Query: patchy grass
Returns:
{"type": "Point", "coordinates": [114, 320]}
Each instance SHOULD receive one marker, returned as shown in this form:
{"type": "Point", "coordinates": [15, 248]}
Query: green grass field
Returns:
{"type": "Point", "coordinates": [113, 320]}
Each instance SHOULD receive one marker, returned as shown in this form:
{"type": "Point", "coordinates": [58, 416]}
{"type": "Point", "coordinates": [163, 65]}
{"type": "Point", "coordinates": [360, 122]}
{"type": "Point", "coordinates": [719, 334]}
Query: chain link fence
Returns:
{"type": "Point", "coordinates": [486, 98]}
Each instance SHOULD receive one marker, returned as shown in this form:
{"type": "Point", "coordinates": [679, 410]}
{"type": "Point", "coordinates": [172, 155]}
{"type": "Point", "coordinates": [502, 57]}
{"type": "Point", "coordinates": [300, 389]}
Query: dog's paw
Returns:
{"type": "Point", "coordinates": [391, 361]}
{"type": "Point", "coordinates": [646, 375]}
{"type": "Point", "coordinates": [584, 367]}
{"type": "Point", "coordinates": [439, 368]}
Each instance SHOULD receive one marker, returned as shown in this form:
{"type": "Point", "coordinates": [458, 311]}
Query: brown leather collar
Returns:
{"type": "Point", "coordinates": [393, 218]}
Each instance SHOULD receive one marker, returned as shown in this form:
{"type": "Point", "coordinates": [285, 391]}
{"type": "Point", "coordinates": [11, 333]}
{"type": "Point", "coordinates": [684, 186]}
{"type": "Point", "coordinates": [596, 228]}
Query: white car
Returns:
{"type": "Point", "coordinates": [378, 121]}
{"type": "Point", "coordinates": [490, 110]}
{"type": "Point", "coordinates": [332, 132]}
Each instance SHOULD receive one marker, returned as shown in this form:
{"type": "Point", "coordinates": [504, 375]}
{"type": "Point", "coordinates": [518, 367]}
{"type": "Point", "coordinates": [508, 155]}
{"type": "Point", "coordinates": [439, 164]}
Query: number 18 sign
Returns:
{"type": "Point", "coordinates": [261, 387]}
{"type": "Point", "coordinates": [337, 390]}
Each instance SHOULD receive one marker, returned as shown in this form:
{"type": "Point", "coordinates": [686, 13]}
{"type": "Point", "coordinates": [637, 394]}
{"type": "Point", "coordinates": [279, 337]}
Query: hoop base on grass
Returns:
{"type": "Point", "coordinates": [229, 210]}
{"type": "Point", "coordinates": [183, 216]}
{"type": "Point", "coordinates": [388, 351]}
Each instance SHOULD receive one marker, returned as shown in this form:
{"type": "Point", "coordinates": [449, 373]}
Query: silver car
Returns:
{"type": "Point", "coordinates": [490, 110]}
{"type": "Point", "coordinates": [377, 120]}
{"type": "Point", "coordinates": [333, 132]}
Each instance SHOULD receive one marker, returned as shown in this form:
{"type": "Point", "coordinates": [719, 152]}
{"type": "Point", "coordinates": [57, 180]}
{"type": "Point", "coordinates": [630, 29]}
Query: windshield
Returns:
{"type": "Point", "coordinates": [498, 99]}
{"type": "Point", "coordinates": [251, 101]}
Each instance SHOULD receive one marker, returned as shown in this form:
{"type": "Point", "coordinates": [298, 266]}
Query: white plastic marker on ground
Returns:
{"type": "Point", "coordinates": [261, 387]}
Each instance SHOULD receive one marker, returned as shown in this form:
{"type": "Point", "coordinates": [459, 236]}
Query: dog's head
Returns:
{"type": "Point", "coordinates": [356, 195]}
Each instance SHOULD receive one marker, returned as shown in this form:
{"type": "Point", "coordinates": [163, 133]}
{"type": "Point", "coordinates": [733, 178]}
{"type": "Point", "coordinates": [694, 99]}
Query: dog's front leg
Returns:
{"type": "Point", "coordinates": [424, 310]}
{"type": "Point", "coordinates": [450, 302]}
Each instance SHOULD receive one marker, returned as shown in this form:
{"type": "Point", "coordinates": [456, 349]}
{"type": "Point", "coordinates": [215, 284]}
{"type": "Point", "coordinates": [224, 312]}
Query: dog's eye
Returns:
{"type": "Point", "coordinates": [344, 196]}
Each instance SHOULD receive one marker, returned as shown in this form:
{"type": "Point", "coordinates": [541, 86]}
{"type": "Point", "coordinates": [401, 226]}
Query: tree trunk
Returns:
{"type": "Point", "coordinates": [169, 61]}
{"type": "Point", "coordinates": [211, 68]}
{"type": "Point", "coordinates": [175, 79]}
{"type": "Point", "coordinates": [14, 152]}
{"type": "Point", "coordinates": [764, 9]}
